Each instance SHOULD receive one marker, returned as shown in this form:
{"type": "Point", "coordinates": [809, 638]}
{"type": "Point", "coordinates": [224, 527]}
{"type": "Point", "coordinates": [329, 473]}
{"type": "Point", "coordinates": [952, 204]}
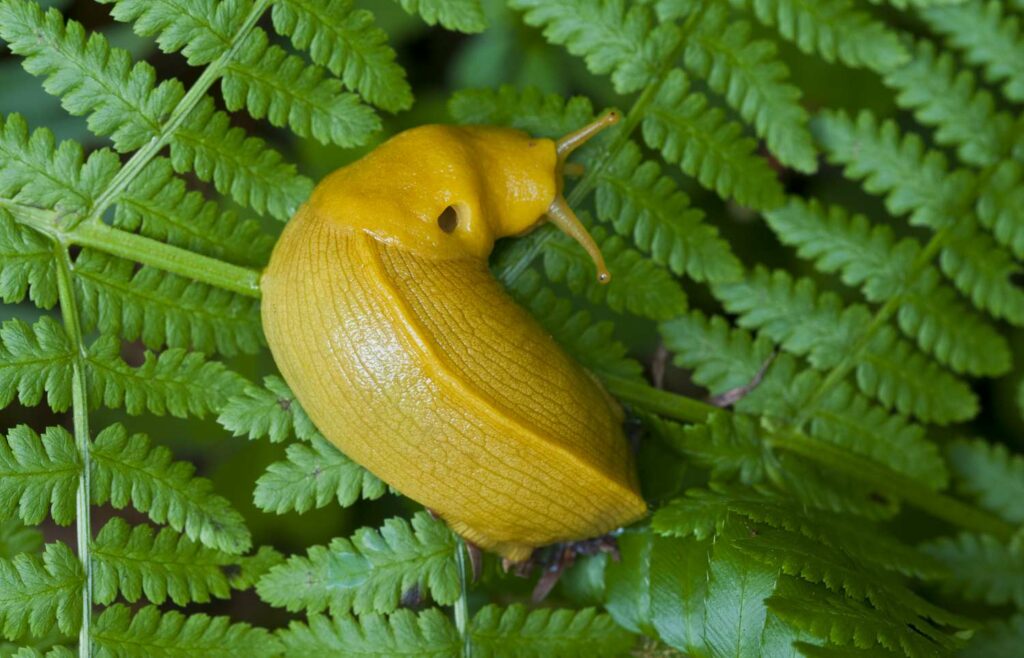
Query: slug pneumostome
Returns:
{"type": "Point", "coordinates": [384, 319]}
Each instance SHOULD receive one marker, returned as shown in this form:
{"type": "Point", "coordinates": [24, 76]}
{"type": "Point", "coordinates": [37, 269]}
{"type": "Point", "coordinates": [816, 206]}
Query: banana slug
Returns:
{"type": "Point", "coordinates": [381, 313]}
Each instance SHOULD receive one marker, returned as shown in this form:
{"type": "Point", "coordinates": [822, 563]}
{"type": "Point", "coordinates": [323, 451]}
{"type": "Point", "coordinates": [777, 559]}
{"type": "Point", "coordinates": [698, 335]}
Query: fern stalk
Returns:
{"type": "Point", "coordinates": [462, 603]}
{"type": "Point", "coordinates": [80, 423]}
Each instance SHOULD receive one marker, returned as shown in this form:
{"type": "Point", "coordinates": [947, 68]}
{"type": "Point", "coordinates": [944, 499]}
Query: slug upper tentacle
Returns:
{"type": "Point", "coordinates": [383, 317]}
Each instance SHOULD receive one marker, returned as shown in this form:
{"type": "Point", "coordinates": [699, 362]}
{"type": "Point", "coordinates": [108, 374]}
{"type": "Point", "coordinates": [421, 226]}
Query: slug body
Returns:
{"type": "Point", "coordinates": [384, 319]}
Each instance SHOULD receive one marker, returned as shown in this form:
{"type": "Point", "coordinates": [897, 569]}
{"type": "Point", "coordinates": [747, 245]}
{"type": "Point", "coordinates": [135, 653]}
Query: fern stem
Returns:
{"type": "Point", "coordinates": [196, 92]}
{"type": "Point", "coordinates": [80, 423]}
{"type": "Point", "coordinates": [883, 479]}
{"type": "Point", "coordinates": [462, 603]}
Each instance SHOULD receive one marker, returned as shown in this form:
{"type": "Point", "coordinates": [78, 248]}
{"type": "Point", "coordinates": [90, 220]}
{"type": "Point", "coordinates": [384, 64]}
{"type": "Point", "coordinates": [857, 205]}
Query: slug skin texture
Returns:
{"type": "Point", "coordinates": [411, 358]}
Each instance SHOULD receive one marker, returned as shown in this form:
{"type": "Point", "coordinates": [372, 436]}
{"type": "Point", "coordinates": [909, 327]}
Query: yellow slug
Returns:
{"type": "Point", "coordinates": [384, 319]}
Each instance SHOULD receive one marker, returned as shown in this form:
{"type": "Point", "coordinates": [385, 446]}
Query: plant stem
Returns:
{"type": "Point", "coordinates": [832, 457]}
{"type": "Point", "coordinates": [462, 604]}
{"type": "Point", "coordinates": [80, 423]}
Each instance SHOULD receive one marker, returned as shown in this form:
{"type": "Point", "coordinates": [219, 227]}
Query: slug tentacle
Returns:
{"type": "Point", "coordinates": [562, 216]}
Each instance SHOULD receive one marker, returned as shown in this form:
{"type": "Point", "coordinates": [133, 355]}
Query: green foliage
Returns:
{"type": "Point", "coordinates": [37, 593]}
{"type": "Point", "coordinates": [981, 568]}
{"type": "Point", "coordinates": [991, 474]}
{"type": "Point", "coordinates": [427, 634]}
{"type": "Point", "coordinates": [461, 15]}
{"type": "Point", "coordinates": [26, 265]}
{"type": "Point", "coordinates": [545, 632]}
{"type": "Point", "coordinates": [35, 359]}
{"type": "Point", "coordinates": [38, 475]}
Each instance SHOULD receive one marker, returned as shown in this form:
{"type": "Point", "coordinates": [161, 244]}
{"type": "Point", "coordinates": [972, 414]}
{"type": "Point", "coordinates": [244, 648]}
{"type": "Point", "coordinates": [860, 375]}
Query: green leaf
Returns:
{"type": "Point", "coordinates": [707, 146]}
{"type": "Point", "coordinates": [527, 109]}
{"type": "Point", "coordinates": [990, 473]}
{"type": "Point", "coordinates": [1001, 205]}
{"type": "Point", "coordinates": [16, 538]}
{"type": "Point", "coordinates": [35, 359]}
{"type": "Point", "coordinates": [269, 411]}
{"type": "Point", "coordinates": [313, 476]}
{"type": "Point", "coordinates": [989, 36]}
{"type": "Point", "coordinates": [174, 381]}
{"type": "Point", "coordinates": [39, 592]}
{"type": "Point", "coordinates": [123, 631]}
{"type": "Point", "coordinates": [129, 470]}
{"type": "Point", "coordinates": [163, 309]}
{"type": "Point", "coordinates": [834, 29]}
{"type": "Point", "coordinates": [613, 37]}
{"type": "Point", "coordinates": [38, 475]}
{"type": "Point", "coordinates": [137, 562]}
{"type": "Point", "coordinates": [370, 572]}
{"type": "Point", "coordinates": [728, 444]}
{"type": "Point", "coordinates": [27, 264]}
{"type": "Point", "coordinates": [753, 80]}
{"type": "Point", "coordinates": [981, 568]}
{"type": "Point", "coordinates": [541, 633]}
{"type": "Point", "coordinates": [460, 15]}
{"type": "Point", "coordinates": [1001, 639]}
{"type": "Point", "coordinates": [348, 43]}
{"type": "Point", "coordinates": [427, 634]}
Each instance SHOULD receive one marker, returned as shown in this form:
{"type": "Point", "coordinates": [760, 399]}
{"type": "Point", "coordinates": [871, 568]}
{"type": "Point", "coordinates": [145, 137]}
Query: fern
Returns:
{"type": "Point", "coordinates": [461, 15]}
{"type": "Point", "coordinates": [981, 568]}
{"type": "Point", "coordinates": [39, 475]}
{"type": "Point", "coordinates": [35, 359]}
{"type": "Point", "coordinates": [39, 592]}
{"type": "Point", "coordinates": [992, 474]}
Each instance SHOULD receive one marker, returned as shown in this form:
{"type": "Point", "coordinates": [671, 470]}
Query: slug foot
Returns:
{"type": "Point", "coordinates": [555, 559]}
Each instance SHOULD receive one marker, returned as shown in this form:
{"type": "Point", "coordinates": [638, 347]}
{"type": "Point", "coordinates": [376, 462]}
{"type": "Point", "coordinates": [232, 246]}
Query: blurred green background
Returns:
{"type": "Point", "coordinates": [438, 63]}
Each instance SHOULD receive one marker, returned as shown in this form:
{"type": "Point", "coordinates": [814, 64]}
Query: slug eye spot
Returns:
{"type": "Point", "coordinates": [448, 220]}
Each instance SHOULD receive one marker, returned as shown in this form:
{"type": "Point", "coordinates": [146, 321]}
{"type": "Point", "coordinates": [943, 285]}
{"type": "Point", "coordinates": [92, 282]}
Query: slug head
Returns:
{"type": "Point", "coordinates": [450, 191]}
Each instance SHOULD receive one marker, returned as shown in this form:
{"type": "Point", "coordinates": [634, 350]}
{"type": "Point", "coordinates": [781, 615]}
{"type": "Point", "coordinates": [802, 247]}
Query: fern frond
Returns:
{"type": "Point", "coordinates": [991, 474]}
{"type": "Point", "coordinates": [544, 632]}
{"type": "Point", "coordinates": [16, 538]}
{"type": "Point", "coordinates": [805, 323]}
{"type": "Point", "coordinates": [707, 146]}
{"type": "Point", "coordinates": [1001, 639]}
{"type": "Point", "coordinates": [269, 411]}
{"type": "Point", "coordinates": [729, 445]}
{"type": "Point", "coordinates": [158, 205]}
{"type": "Point", "coordinates": [35, 359]}
{"type": "Point", "coordinates": [1001, 205]}
{"type": "Point", "coordinates": [52, 652]}
{"type": "Point", "coordinates": [129, 470]}
{"type": "Point", "coordinates": [121, 631]}
{"type": "Point", "coordinates": [312, 477]}
{"type": "Point", "coordinates": [370, 572]}
{"type": "Point", "coordinates": [649, 208]}
{"type": "Point", "coordinates": [612, 36]}
{"type": "Point", "coordinates": [348, 43]}
{"type": "Point", "coordinates": [460, 15]}
{"type": "Point", "coordinates": [40, 592]}
{"type": "Point", "coordinates": [989, 36]}
{"type": "Point", "coordinates": [137, 561]}
{"type": "Point", "coordinates": [26, 264]}
{"type": "Point", "coordinates": [175, 381]}
{"type": "Point", "coordinates": [590, 343]}
{"type": "Point", "coordinates": [638, 286]}
{"type": "Point", "coordinates": [754, 82]}
{"type": "Point", "coordinates": [983, 271]}
{"type": "Point", "coordinates": [163, 309]}
{"type": "Point", "coordinates": [869, 257]}
{"type": "Point", "coordinates": [36, 171]}
{"type": "Point", "coordinates": [529, 110]}
{"type": "Point", "coordinates": [981, 568]}
{"type": "Point", "coordinates": [429, 634]}
{"type": "Point", "coordinates": [834, 29]}
{"type": "Point", "coordinates": [945, 96]}
{"type": "Point", "coordinates": [38, 475]}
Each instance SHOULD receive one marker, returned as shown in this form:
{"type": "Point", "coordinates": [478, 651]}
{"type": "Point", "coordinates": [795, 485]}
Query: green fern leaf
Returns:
{"type": "Point", "coordinates": [370, 572]}
{"type": "Point", "coordinates": [16, 538]}
{"type": "Point", "coordinates": [137, 562]}
{"type": "Point", "coordinates": [460, 15]}
{"type": "Point", "coordinates": [983, 271]}
{"type": "Point", "coordinates": [428, 634]}
{"type": "Point", "coordinates": [612, 36]}
{"type": "Point", "coordinates": [638, 286]}
{"type": "Point", "coordinates": [728, 445]}
{"type": "Point", "coordinates": [943, 95]}
{"type": "Point", "coordinates": [122, 631]}
{"type": "Point", "coordinates": [707, 146]}
{"type": "Point", "coordinates": [543, 115]}
{"type": "Point", "coordinates": [870, 257]}
{"type": "Point", "coordinates": [38, 475]}
{"type": "Point", "coordinates": [348, 43]}
{"type": "Point", "coordinates": [175, 381]}
{"type": "Point", "coordinates": [158, 205]}
{"type": "Point", "coordinates": [1002, 639]}
{"type": "Point", "coordinates": [52, 652]}
{"type": "Point", "coordinates": [753, 81]}
{"type": "Point", "coordinates": [129, 470]}
{"type": "Point", "coordinates": [313, 476]}
{"type": "Point", "coordinates": [989, 36]}
{"type": "Point", "coordinates": [38, 593]}
{"type": "Point", "coordinates": [590, 343]}
{"type": "Point", "coordinates": [268, 411]}
{"type": "Point", "coordinates": [980, 568]}
{"type": "Point", "coordinates": [834, 29]}
{"type": "Point", "coordinates": [1001, 205]}
{"type": "Point", "coordinates": [35, 359]}
{"type": "Point", "coordinates": [36, 171]}
{"type": "Point", "coordinates": [163, 309]}
{"type": "Point", "coordinates": [541, 633]}
{"type": "Point", "coordinates": [27, 265]}
{"type": "Point", "coordinates": [648, 208]}
{"type": "Point", "coordinates": [990, 473]}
